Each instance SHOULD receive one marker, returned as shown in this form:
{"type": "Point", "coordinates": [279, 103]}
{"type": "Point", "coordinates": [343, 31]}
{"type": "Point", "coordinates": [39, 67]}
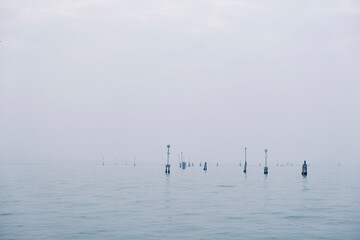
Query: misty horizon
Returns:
{"type": "Point", "coordinates": [81, 80]}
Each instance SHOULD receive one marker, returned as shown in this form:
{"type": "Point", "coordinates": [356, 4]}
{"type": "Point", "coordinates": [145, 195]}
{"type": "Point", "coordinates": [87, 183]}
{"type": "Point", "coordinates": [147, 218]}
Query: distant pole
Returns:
{"type": "Point", "coordinates": [245, 164]}
{"type": "Point", "coordinates": [167, 167]}
{"type": "Point", "coordinates": [266, 167]}
{"type": "Point", "coordinates": [103, 163]}
{"type": "Point", "coordinates": [134, 161]}
{"type": "Point", "coordinates": [182, 161]}
{"type": "Point", "coordinates": [205, 166]}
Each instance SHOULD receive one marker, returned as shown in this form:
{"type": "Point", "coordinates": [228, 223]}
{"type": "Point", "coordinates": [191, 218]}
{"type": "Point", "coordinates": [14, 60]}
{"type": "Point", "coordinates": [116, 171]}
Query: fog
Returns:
{"type": "Point", "coordinates": [80, 80]}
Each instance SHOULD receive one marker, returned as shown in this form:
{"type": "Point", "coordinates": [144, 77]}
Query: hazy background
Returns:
{"type": "Point", "coordinates": [84, 79]}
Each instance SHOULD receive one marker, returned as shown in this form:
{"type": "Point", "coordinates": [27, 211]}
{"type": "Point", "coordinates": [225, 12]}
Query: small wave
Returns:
{"type": "Point", "coordinates": [296, 217]}
{"type": "Point", "coordinates": [226, 186]}
{"type": "Point", "coordinates": [6, 214]}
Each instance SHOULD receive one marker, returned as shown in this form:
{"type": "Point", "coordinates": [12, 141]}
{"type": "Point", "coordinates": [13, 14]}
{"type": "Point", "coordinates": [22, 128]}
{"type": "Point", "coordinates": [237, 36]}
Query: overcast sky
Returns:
{"type": "Point", "coordinates": [82, 79]}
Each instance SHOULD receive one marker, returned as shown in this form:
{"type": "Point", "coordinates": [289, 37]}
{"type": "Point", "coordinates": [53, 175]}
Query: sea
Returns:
{"type": "Point", "coordinates": [79, 201]}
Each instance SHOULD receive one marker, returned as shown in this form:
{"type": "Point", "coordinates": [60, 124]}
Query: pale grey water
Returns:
{"type": "Point", "coordinates": [126, 202]}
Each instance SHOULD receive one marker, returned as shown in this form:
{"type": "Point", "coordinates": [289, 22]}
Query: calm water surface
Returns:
{"type": "Point", "coordinates": [126, 202]}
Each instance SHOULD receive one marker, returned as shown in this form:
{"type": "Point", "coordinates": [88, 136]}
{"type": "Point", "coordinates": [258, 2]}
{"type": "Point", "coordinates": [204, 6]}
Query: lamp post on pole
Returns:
{"type": "Point", "coordinates": [167, 167]}
{"type": "Point", "coordinates": [266, 167]}
{"type": "Point", "coordinates": [245, 162]}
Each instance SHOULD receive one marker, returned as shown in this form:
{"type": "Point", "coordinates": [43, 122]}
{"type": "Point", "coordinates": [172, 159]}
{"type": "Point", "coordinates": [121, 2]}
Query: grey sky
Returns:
{"type": "Point", "coordinates": [84, 79]}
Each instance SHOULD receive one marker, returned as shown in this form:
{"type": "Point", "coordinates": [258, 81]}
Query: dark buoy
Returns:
{"type": "Point", "coordinates": [245, 164]}
{"type": "Point", "coordinates": [304, 169]}
{"type": "Point", "coordinates": [189, 164]}
{"type": "Point", "coordinates": [167, 167]}
{"type": "Point", "coordinates": [266, 167]}
{"type": "Point", "coordinates": [205, 166]}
